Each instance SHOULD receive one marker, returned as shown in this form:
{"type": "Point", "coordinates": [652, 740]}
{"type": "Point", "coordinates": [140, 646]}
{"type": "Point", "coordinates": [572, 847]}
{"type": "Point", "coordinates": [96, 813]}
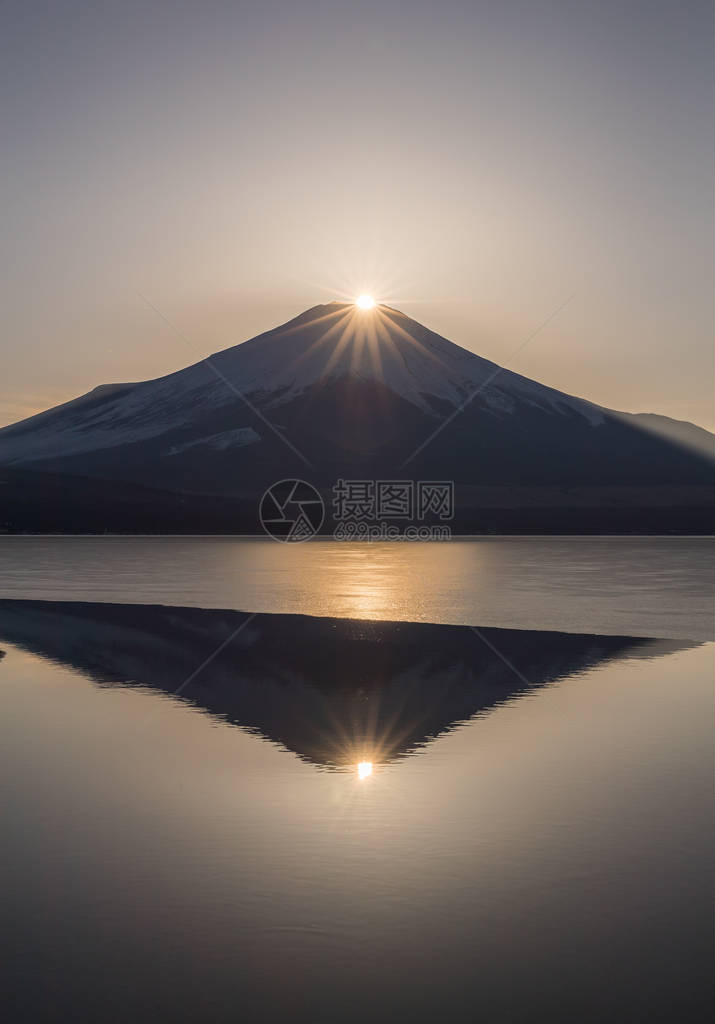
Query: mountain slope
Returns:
{"type": "Point", "coordinates": [343, 392]}
{"type": "Point", "coordinates": [680, 432]}
{"type": "Point", "coordinates": [324, 345]}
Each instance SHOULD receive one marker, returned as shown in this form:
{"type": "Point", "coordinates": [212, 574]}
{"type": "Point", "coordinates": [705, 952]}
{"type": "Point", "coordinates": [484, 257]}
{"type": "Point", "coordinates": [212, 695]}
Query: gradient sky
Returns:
{"type": "Point", "coordinates": [472, 163]}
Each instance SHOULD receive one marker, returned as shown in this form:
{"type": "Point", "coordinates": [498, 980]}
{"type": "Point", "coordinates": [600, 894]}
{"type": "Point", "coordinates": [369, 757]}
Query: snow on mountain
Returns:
{"type": "Point", "coordinates": [219, 442]}
{"type": "Point", "coordinates": [324, 345]}
{"type": "Point", "coordinates": [335, 341]}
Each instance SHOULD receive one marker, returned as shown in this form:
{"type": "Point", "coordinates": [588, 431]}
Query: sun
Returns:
{"type": "Point", "coordinates": [365, 302]}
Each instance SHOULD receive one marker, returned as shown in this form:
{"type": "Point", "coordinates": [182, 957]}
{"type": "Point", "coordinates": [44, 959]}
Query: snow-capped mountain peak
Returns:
{"type": "Point", "coordinates": [350, 384]}
{"type": "Point", "coordinates": [338, 340]}
{"type": "Point", "coordinates": [324, 345]}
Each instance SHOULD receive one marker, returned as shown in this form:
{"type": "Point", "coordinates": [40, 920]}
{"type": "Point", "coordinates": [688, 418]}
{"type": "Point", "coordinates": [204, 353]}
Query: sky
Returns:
{"type": "Point", "coordinates": [474, 164]}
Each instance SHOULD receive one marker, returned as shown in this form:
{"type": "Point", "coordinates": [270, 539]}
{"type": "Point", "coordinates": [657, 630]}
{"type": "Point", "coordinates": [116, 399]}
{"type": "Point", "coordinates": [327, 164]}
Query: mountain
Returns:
{"type": "Point", "coordinates": [679, 431]}
{"type": "Point", "coordinates": [334, 691]}
{"type": "Point", "coordinates": [342, 392]}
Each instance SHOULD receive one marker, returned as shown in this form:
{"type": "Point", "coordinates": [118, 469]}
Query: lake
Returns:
{"type": "Point", "coordinates": [641, 586]}
{"type": "Point", "coordinates": [247, 781]}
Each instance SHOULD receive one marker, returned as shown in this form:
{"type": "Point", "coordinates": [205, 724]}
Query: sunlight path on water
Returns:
{"type": "Point", "coordinates": [639, 586]}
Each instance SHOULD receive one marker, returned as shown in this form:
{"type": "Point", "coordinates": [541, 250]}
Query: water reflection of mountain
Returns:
{"type": "Point", "coordinates": [334, 691]}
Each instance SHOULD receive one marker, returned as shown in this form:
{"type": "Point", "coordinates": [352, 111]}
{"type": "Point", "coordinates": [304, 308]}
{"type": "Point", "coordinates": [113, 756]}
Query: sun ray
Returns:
{"type": "Point", "coordinates": [371, 338]}
{"type": "Point", "coordinates": [325, 338]}
{"type": "Point", "coordinates": [357, 349]}
{"type": "Point", "coordinates": [390, 345]}
{"type": "Point", "coordinates": [373, 348]}
{"type": "Point", "coordinates": [318, 320]}
{"type": "Point", "coordinates": [345, 340]}
{"type": "Point", "coordinates": [418, 344]}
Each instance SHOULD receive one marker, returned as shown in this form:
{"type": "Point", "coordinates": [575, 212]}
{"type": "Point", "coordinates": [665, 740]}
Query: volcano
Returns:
{"type": "Point", "coordinates": [341, 392]}
{"type": "Point", "coordinates": [330, 690]}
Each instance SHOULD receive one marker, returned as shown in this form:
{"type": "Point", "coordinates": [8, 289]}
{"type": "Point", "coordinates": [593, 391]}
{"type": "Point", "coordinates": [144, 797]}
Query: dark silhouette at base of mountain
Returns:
{"type": "Point", "coordinates": [32, 502]}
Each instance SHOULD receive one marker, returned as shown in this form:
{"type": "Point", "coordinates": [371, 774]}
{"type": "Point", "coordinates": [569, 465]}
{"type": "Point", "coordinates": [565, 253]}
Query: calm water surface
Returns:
{"type": "Point", "coordinates": [336, 817]}
{"type": "Point", "coordinates": [642, 586]}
